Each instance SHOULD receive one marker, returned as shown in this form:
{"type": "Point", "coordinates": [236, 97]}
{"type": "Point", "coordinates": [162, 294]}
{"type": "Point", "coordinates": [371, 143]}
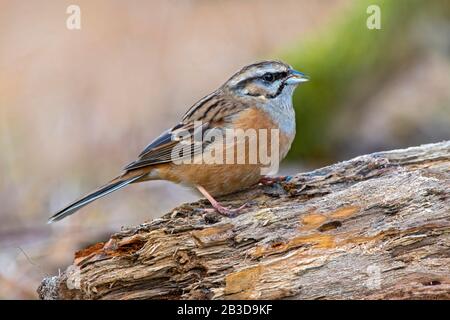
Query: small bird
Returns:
{"type": "Point", "coordinates": [259, 96]}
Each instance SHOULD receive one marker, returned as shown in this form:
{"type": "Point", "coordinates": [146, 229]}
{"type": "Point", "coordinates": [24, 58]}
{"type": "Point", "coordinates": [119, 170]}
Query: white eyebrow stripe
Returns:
{"type": "Point", "coordinates": [258, 72]}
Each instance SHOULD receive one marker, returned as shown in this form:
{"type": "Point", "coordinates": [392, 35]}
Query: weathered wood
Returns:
{"type": "Point", "coordinates": [374, 227]}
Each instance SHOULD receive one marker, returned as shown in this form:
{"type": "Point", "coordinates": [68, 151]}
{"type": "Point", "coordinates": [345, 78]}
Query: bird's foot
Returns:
{"type": "Point", "coordinates": [225, 211]}
{"type": "Point", "coordinates": [269, 180]}
{"type": "Point", "coordinates": [229, 212]}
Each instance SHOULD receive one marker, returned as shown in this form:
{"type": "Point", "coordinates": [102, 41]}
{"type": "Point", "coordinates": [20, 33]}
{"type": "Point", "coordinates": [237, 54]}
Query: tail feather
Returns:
{"type": "Point", "coordinates": [112, 186]}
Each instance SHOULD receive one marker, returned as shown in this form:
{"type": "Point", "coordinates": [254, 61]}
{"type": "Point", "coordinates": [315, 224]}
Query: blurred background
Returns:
{"type": "Point", "coordinates": [77, 105]}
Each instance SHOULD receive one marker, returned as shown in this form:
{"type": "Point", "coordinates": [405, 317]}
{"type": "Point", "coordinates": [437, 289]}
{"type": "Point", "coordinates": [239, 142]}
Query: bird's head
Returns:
{"type": "Point", "coordinates": [265, 80]}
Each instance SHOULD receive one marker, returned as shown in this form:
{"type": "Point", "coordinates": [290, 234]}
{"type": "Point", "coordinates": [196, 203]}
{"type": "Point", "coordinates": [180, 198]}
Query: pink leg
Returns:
{"type": "Point", "coordinates": [221, 209]}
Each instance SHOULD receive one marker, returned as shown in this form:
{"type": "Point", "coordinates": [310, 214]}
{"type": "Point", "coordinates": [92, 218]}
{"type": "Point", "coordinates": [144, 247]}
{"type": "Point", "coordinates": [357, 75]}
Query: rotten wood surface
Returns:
{"type": "Point", "coordinates": [374, 227]}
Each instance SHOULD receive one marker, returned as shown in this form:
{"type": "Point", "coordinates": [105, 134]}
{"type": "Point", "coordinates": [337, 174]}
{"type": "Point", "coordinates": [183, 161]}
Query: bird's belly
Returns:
{"type": "Point", "coordinates": [217, 179]}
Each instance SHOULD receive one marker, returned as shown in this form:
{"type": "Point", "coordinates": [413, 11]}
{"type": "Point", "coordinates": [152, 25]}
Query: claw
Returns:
{"type": "Point", "coordinates": [268, 180]}
{"type": "Point", "coordinates": [227, 212]}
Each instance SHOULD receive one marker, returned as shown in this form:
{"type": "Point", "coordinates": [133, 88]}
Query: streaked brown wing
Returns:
{"type": "Point", "coordinates": [160, 149]}
{"type": "Point", "coordinates": [214, 111]}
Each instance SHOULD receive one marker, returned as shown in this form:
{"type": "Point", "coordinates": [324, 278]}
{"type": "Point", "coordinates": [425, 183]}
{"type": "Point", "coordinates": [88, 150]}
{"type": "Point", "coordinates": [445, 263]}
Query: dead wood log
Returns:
{"type": "Point", "coordinates": [374, 227]}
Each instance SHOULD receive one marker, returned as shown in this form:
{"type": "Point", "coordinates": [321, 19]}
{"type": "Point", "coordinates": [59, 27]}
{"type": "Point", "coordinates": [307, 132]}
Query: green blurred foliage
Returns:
{"type": "Point", "coordinates": [346, 63]}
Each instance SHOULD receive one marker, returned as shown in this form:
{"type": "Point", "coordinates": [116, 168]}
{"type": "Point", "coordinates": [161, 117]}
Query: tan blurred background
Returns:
{"type": "Point", "coordinates": [77, 105]}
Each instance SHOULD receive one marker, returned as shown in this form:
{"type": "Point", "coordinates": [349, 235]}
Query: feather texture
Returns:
{"type": "Point", "coordinates": [112, 186]}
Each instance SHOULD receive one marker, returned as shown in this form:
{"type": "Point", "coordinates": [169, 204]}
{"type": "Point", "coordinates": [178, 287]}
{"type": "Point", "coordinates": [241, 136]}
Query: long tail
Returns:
{"type": "Point", "coordinates": [112, 186]}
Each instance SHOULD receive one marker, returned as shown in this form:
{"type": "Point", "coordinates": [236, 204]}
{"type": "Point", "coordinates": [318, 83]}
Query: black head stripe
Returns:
{"type": "Point", "coordinates": [276, 76]}
{"type": "Point", "coordinates": [279, 90]}
{"type": "Point", "coordinates": [280, 75]}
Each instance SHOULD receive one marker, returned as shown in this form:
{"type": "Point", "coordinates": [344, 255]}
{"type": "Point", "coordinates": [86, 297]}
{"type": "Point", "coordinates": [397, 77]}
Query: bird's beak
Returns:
{"type": "Point", "coordinates": [296, 77]}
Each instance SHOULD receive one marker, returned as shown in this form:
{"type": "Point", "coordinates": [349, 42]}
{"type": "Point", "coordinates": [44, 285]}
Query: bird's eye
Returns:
{"type": "Point", "coordinates": [268, 77]}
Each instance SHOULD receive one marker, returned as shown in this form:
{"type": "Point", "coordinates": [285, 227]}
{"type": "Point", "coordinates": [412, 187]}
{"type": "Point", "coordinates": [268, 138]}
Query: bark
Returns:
{"type": "Point", "coordinates": [374, 227]}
